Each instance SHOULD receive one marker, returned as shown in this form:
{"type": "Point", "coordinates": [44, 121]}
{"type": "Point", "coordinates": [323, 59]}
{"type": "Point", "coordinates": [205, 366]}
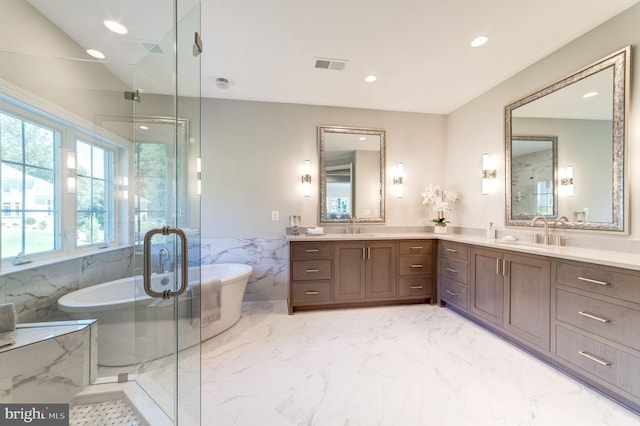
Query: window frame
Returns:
{"type": "Point", "coordinates": [70, 128]}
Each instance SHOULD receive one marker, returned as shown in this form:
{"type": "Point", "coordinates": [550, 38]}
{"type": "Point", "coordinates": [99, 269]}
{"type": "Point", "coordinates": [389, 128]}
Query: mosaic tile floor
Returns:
{"type": "Point", "coordinates": [116, 412]}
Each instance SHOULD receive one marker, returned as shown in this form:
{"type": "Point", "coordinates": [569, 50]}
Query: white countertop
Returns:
{"type": "Point", "coordinates": [620, 259]}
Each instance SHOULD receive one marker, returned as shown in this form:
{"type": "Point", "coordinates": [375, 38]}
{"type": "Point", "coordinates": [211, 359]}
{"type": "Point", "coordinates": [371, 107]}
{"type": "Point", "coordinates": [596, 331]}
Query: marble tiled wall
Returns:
{"type": "Point", "coordinates": [269, 258]}
{"type": "Point", "coordinates": [35, 291]}
{"type": "Point", "coordinates": [51, 362]}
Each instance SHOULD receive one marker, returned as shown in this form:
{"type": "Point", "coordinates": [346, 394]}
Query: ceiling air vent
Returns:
{"type": "Point", "coordinates": [330, 64]}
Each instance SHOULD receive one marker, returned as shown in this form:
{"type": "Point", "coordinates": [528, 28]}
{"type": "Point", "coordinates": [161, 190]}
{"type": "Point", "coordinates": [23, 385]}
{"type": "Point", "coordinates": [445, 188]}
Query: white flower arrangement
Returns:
{"type": "Point", "coordinates": [441, 200]}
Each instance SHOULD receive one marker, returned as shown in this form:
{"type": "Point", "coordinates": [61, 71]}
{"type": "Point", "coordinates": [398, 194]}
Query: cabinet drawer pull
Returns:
{"type": "Point", "coordinates": [589, 280]}
{"type": "Point", "coordinates": [594, 317]}
{"type": "Point", "coordinates": [453, 293]}
{"type": "Point", "coordinates": [415, 287]}
{"type": "Point", "coordinates": [452, 250]}
{"type": "Point", "coordinates": [416, 266]}
{"type": "Point", "coordinates": [416, 248]}
{"type": "Point", "coordinates": [312, 250]}
{"type": "Point", "coordinates": [595, 358]}
{"type": "Point", "coordinates": [311, 293]}
{"type": "Point", "coordinates": [453, 271]}
{"type": "Point", "coordinates": [312, 270]}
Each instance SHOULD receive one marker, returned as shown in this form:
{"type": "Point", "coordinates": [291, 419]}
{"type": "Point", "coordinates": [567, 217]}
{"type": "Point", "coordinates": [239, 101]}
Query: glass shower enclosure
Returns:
{"type": "Point", "coordinates": [100, 128]}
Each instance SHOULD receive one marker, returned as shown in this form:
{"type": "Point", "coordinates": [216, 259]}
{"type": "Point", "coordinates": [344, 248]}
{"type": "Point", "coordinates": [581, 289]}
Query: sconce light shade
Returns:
{"type": "Point", "coordinates": [71, 160]}
{"type": "Point", "coordinates": [71, 184]}
{"type": "Point", "coordinates": [306, 179]}
{"type": "Point", "coordinates": [124, 188]}
{"type": "Point", "coordinates": [398, 181]}
{"type": "Point", "coordinates": [567, 182]}
{"type": "Point", "coordinates": [488, 173]}
{"type": "Point", "coordinates": [72, 181]}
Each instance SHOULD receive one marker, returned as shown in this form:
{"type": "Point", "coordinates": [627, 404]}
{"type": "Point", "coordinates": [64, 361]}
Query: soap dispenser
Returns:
{"type": "Point", "coordinates": [491, 232]}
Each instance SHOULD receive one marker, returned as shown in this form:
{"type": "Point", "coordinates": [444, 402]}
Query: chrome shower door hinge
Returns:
{"type": "Point", "coordinates": [132, 96]}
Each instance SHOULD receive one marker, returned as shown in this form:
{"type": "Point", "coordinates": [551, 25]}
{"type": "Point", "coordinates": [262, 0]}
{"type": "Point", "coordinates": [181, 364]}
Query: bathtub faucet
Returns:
{"type": "Point", "coordinates": [161, 269]}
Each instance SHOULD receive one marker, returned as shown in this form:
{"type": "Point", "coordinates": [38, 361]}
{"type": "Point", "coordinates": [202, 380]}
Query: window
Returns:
{"type": "Point", "coordinates": [94, 194]}
{"type": "Point", "coordinates": [544, 197]}
{"type": "Point", "coordinates": [41, 214]}
{"type": "Point", "coordinates": [28, 176]}
{"type": "Point", "coordinates": [151, 183]}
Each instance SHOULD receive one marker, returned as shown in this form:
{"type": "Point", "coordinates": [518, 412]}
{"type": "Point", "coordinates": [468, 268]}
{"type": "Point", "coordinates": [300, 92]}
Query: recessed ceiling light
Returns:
{"type": "Point", "coordinates": [362, 138]}
{"type": "Point", "coordinates": [370, 78]}
{"type": "Point", "coordinates": [116, 27]}
{"type": "Point", "coordinates": [95, 53]}
{"type": "Point", "coordinates": [590, 94]}
{"type": "Point", "coordinates": [479, 41]}
{"type": "Point", "coordinates": [144, 128]}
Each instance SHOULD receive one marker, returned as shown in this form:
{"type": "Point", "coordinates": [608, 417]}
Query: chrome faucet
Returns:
{"type": "Point", "coordinates": [161, 261]}
{"type": "Point", "coordinates": [546, 226]}
{"type": "Point", "coordinates": [561, 220]}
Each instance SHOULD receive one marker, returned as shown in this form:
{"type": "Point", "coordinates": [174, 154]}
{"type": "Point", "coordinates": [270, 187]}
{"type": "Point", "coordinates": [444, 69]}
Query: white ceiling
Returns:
{"type": "Point", "coordinates": [418, 49]}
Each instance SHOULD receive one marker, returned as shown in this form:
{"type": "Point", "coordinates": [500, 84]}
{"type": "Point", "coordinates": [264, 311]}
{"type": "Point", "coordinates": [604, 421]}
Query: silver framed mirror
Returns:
{"type": "Point", "coordinates": [585, 113]}
{"type": "Point", "coordinates": [352, 174]}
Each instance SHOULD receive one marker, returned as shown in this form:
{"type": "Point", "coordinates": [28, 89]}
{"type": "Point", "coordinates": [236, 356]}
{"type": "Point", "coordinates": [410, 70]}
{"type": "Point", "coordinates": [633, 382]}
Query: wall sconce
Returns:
{"type": "Point", "coordinates": [71, 172]}
{"type": "Point", "coordinates": [488, 173]}
{"type": "Point", "coordinates": [199, 176]}
{"type": "Point", "coordinates": [567, 182]}
{"type": "Point", "coordinates": [306, 179]}
{"type": "Point", "coordinates": [124, 188]}
{"type": "Point", "coordinates": [398, 181]}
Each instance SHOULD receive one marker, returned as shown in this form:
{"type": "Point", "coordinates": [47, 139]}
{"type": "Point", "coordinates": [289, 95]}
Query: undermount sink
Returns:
{"type": "Point", "coordinates": [527, 244]}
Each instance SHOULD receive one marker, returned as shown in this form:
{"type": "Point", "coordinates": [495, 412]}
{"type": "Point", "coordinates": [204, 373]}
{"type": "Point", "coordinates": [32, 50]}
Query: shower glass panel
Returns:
{"type": "Point", "coordinates": [95, 152]}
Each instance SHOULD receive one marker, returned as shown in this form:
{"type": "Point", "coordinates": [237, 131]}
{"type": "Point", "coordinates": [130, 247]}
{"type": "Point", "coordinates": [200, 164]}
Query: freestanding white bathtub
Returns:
{"type": "Point", "coordinates": [134, 328]}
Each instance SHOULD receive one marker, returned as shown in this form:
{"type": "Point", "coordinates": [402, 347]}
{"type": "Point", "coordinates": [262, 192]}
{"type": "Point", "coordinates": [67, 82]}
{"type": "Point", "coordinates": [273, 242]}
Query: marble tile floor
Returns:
{"type": "Point", "coordinates": [399, 365]}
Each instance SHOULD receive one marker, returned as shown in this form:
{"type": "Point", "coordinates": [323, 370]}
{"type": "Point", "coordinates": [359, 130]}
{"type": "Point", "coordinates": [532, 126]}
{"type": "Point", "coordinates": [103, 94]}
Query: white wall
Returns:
{"type": "Point", "coordinates": [477, 127]}
{"type": "Point", "coordinates": [253, 153]}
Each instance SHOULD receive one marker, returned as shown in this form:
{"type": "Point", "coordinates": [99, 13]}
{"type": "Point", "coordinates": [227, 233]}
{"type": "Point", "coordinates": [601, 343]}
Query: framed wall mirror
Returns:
{"type": "Point", "coordinates": [564, 150]}
{"type": "Point", "coordinates": [352, 174]}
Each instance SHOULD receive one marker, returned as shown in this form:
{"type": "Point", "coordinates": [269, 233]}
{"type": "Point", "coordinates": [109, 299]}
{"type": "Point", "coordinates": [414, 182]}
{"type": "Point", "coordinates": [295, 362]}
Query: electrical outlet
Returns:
{"type": "Point", "coordinates": [275, 216]}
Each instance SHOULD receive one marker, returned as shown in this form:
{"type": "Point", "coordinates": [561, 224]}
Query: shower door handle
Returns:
{"type": "Point", "coordinates": [184, 263]}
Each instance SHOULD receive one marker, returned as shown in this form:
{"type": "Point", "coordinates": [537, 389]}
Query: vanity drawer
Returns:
{"type": "Point", "coordinates": [310, 250]}
{"type": "Point", "coordinates": [610, 364]}
{"type": "Point", "coordinates": [611, 321]}
{"type": "Point", "coordinates": [453, 292]}
{"type": "Point", "coordinates": [605, 281]}
{"type": "Point", "coordinates": [418, 286]}
{"type": "Point", "coordinates": [453, 269]}
{"type": "Point", "coordinates": [303, 270]}
{"type": "Point", "coordinates": [455, 250]}
{"type": "Point", "coordinates": [416, 247]}
{"type": "Point", "coordinates": [418, 264]}
{"type": "Point", "coordinates": [311, 292]}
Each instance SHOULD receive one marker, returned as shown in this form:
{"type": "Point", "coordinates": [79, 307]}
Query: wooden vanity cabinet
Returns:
{"type": "Point", "coordinates": [360, 273]}
{"type": "Point", "coordinates": [311, 274]}
{"type": "Point", "coordinates": [580, 317]}
{"type": "Point", "coordinates": [453, 274]}
{"type": "Point", "coordinates": [596, 326]}
{"type": "Point", "coordinates": [416, 263]}
{"type": "Point", "coordinates": [364, 270]}
{"type": "Point", "coordinates": [486, 293]}
{"type": "Point", "coordinates": [513, 292]}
